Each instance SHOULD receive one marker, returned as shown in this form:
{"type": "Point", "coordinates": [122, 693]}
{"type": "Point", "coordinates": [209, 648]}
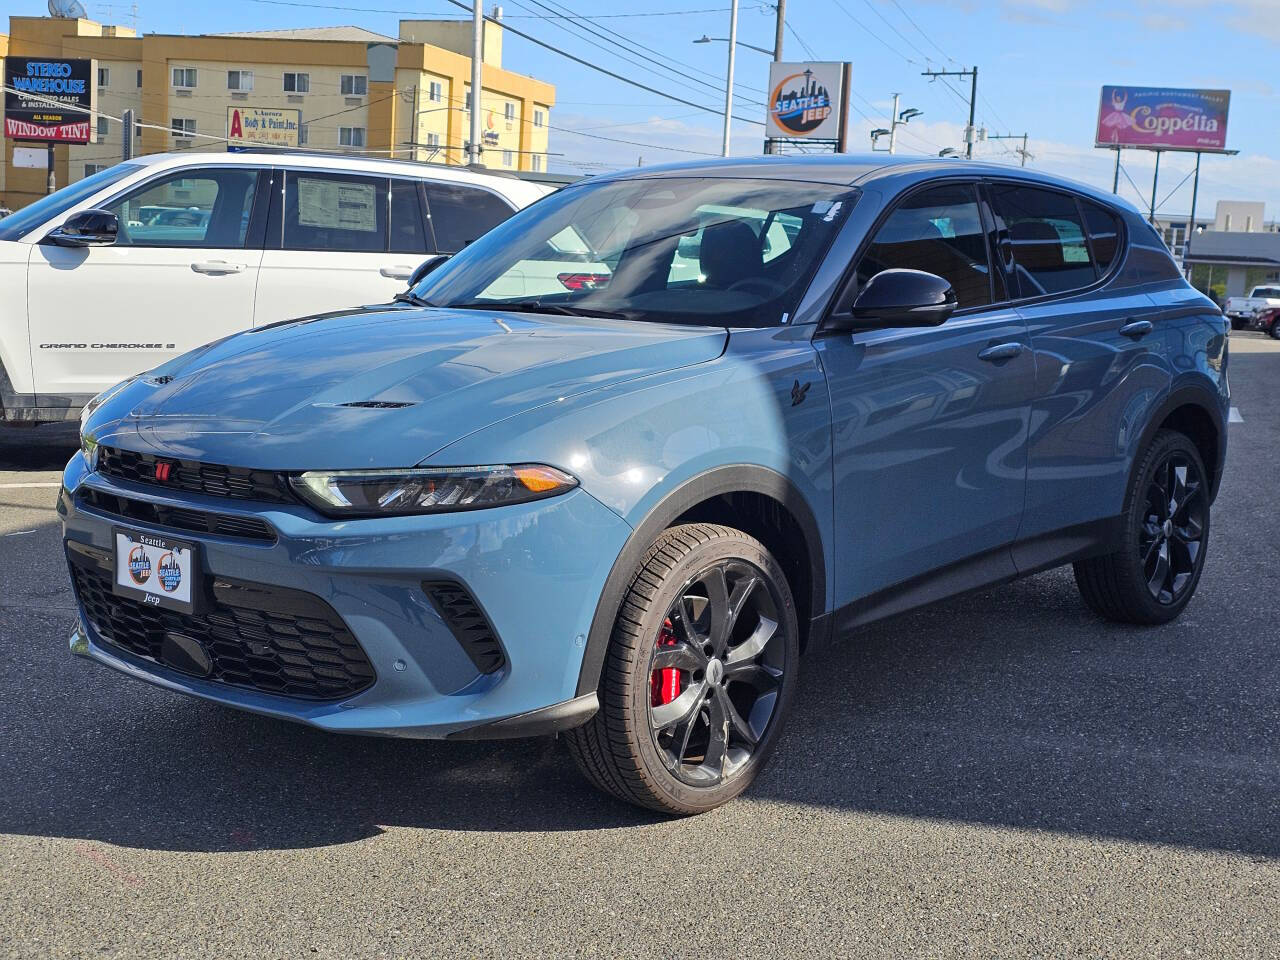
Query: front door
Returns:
{"type": "Point", "coordinates": [182, 272]}
{"type": "Point", "coordinates": [929, 425]}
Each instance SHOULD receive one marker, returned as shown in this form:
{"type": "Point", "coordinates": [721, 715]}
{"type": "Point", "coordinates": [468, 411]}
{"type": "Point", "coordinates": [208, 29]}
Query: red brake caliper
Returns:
{"type": "Point", "coordinates": [664, 685]}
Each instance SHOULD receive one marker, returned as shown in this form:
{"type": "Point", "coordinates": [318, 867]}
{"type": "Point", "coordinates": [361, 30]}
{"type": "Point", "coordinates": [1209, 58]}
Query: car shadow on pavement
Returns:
{"type": "Point", "coordinates": [1012, 707]}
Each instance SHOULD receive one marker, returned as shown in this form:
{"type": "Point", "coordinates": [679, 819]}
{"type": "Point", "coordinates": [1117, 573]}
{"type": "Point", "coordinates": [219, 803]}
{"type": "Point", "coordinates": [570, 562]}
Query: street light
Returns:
{"type": "Point", "coordinates": [705, 39]}
{"type": "Point", "coordinates": [948, 152]}
{"type": "Point", "coordinates": [896, 120]}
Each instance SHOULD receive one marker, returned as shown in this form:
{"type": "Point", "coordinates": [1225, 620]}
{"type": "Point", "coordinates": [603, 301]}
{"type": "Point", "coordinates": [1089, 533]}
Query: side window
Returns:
{"type": "Point", "coordinates": [408, 232]}
{"type": "Point", "coordinates": [328, 211]}
{"type": "Point", "coordinates": [938, 230]}
{"type": "Point", "coordinates": [1050, 254]}
{"type": "Point", "coordinates": [1104, 234]}
{"type": "Point", "coordinates": [193, 208]}
{"type": "Point", "coordinates": [461, 214]}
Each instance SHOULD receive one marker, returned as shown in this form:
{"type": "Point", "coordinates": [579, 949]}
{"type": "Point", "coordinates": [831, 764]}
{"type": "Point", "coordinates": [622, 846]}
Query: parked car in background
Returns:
{"type": "Point", "coordinates": [145, 260]}
{"type": "Point", "coordinates": [810, 393]}
{"type": "Point", "coordinates": [1243, 310]}
{"type": "Point", "coordinates": [1268, 321]}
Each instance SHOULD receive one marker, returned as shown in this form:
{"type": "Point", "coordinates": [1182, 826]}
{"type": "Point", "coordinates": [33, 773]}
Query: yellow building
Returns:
{"type": "Point", "coordinates": [350, 89]}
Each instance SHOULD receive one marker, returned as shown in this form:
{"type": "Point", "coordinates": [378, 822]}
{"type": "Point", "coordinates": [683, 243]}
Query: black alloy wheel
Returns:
{"type": "Point", "coordinates": [1164, 538]}
{"type": "Point", "coordinates": [699, 674]}
{"type": "Point", "coordinates": [715, 672]}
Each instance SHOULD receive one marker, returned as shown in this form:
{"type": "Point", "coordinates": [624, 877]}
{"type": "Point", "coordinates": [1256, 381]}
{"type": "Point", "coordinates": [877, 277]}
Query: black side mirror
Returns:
{"type": "Point", "coordinates": [426, 268]}
{"type": "Point", "coordinates": [88, 228]}
{"type": "Point", "coordinates": [900, 298]}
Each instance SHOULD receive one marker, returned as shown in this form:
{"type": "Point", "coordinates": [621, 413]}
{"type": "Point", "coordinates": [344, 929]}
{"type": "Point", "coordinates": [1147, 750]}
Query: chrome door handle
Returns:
{"type": "Point", "coordinates": [1001, 352]}
{"type": "Point", "coordinates": [214, 267]}
{"type": "Point", "coordinates": [397, 272]}
{"type": "Point", "coordinates": [1137, 328]}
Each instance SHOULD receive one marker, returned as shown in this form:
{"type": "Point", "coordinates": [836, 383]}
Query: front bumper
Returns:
{"type": "Point", "coordinates": [535, 570]}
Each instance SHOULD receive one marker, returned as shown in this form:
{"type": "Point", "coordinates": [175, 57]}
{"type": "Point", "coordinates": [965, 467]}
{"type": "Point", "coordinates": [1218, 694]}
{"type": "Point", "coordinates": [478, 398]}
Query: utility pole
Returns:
{"type": "Point", "coordinates": [728, 84]}
{"type": "Point", "coordinates": [777, 36]}
{"type": "Point", "coordinates": [893, 125]}
{"type": "Point", "coordinates": [477, 77]}
{"type": "Point", "coordinates": [970, 133]}
{"type": "Point", "coordinates": [1023, 152]}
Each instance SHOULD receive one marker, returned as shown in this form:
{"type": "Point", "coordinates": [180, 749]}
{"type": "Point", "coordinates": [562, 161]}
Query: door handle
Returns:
{"type": "Point", "coordinates": [397, 272]}
{"type": "Point", "coordinates": [1001, 352]}
{"type": "Point", "coordinates": [214, 267]}
{"type": "Point", "coordinates": [1137, 328]}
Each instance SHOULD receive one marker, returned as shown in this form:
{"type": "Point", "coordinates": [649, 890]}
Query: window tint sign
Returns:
{"type": "Point", "coordinates": [48, 100]}
{"type": "Point", "coordinates": [1163, 118]}
{"type": "Point", "coordinates": [806, 100]}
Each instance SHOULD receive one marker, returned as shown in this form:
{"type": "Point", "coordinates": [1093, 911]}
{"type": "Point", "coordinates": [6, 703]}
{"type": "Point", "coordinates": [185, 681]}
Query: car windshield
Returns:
{"type": "Point", "coordinates": [18, 225]}
{"type": "Point", "coordinates": [700, 250]}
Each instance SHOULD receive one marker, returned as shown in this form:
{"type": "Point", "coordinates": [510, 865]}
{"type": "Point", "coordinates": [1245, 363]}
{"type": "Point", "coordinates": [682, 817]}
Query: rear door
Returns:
{"type": "Point", "coordinates": [337, 240]}
{"type": "Point", "coordinates": [182, 272]}
{"type": "Point", "coordinates": [1099, 361]}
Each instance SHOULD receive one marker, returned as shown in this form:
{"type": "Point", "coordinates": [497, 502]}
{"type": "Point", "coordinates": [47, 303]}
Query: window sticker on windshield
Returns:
{"type": "Point", "coordinates": [833, 212]}
{"type": "Point", "coordinates": [821, 207]}
{"type": "Point", "coordinates": [337, 206]}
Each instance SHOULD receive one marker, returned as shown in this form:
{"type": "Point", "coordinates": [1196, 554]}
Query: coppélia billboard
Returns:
{"type": "Point", "coordinates": [806, 100]}
{"type": "Point", "coordinates": [48, 99]}
{"type": "Point", "coordinates": [1163, 118]}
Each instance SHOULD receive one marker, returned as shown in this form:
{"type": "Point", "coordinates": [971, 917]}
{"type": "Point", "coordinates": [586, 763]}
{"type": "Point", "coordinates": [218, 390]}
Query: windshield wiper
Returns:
{"type": "Point", "coordinates": [417, 301]}
{"type": "Point", "coordinates": [537, 306]}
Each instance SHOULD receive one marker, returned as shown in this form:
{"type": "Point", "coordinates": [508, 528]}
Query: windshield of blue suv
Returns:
{"type": "Point", "coordinates": [698, 250]}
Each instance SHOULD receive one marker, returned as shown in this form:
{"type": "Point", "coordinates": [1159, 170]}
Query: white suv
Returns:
{"type": "Point", "coordinates": [147, 259]}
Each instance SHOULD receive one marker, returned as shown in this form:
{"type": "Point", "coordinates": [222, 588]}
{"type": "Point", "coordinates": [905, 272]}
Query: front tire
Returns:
{"type": "Point", "coordinates": [1274, 329]}
{"type": "Point", "coordinates": [699, 675]}
{"type": "Point", "coordinates": [1154, 574]}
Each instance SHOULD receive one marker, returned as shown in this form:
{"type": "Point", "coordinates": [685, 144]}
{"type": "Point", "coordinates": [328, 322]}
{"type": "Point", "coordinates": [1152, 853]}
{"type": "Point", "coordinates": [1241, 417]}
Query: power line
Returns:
{"type": "Point", "coordinates": [911, 21]}
{"type": "Point", "coordinates": [345, 8]}
{"type": "Point", "coordinates": [870, 6]}
{"type": "Point", "coordinates": [865, 29]}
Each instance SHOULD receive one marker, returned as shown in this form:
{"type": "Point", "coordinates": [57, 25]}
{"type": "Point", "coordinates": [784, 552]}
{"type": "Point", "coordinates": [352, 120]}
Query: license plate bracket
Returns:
{"type": "Point", "coordinates": [156, 570]}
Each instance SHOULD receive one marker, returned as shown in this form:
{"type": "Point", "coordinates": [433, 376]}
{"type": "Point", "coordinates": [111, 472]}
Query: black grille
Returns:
{"type": "Point", "coordinates": [266, 638]}
{"type": "Point", "coordinates": [178, 518]}
{"type": "Point", "coordinates": [468, 624]}
{"type": "Point", "coordinates": [238, 483]}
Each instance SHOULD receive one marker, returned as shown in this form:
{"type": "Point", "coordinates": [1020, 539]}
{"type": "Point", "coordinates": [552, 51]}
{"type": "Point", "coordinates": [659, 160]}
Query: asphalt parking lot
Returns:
{"type": "Point", "coordinates": [999, 775]}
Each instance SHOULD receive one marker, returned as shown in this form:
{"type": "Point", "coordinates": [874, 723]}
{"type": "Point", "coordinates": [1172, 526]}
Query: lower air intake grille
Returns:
{"type": "Point", "coordinates": [272, 639]}
{"type": "Point", "coordinates": [468, 624]}
{"type": "Point", "coordinates": [178, 518]}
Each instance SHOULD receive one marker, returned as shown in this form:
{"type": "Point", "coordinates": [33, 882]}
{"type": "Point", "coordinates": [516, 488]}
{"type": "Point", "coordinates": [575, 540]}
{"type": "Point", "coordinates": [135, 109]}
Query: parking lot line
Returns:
{"type": "Point", "coordinates": [29, 486]}
{"type": "Point", "coordinates": [1234, 416]}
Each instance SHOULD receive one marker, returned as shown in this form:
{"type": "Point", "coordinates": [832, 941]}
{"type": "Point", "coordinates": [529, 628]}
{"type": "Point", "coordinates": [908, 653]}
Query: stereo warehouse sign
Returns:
{"type": "Point", "coordinates": [48, 100]}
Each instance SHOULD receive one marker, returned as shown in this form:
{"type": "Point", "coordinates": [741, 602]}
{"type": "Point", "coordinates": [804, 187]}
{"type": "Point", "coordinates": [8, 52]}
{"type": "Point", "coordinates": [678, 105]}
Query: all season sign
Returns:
{"type": "Point", "coordinates": [48, 100]}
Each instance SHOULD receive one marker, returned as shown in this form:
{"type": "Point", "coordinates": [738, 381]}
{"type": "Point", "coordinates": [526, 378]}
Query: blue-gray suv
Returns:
{"type": "Point", "coordinates": [613, 469]}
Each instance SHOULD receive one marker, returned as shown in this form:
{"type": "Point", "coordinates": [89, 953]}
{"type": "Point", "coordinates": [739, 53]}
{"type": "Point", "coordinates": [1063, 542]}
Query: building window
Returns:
{"type": "Point", "coordinates": [240, 80]}
{"type": "Point", "coordinates": [506, 158]}
{"type": "Point", "coordinates": [137, 135]}
{"type": "Point", "coordinates": [104, 76]}
{"type": "Point", "coordinates": [354, 85]}
{"type": "Point", "coordinates": [139, 79]}
{"type": "Point", "coordinates": [102, 128]}
{"type": "Point", "coordinates": [537, 163]}
{"type": "Point", "coordinates": [467, 106]}
{"type": "Point", "coordinates": [351, 136]}
{"type": "Point", "coordinates": [302, 134]}
{"type": "Point", "coordinates": [1226, 222]}
{"type": "Point", "coordinates": [91, 168]}
{"type": "Point", "coordinates": [297, 83]}
{"type": "Point", "coordinates": [182, 127]}
{"type": "Point", "coordinates": [435, 92]}
{"type": "Point", "coordinates": [433, 139]}
{"type": "Point", "coordinates": [184, 77]}
{"type": "Point", "coordinates": [1248, 224]}
{"type": "Point", "coordinates": [509, 112]}
{"type": "Point", "coordinates": [539, 118]}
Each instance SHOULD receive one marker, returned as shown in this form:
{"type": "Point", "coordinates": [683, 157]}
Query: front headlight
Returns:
{"type": "Point", "coordinates": [88, 443]}
{"type": "Point", "coordinates": [373, 493]}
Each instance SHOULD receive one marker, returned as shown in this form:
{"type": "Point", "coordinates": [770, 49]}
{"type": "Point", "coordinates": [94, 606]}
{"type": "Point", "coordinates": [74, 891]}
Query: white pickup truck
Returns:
{"type": "Point", "coordinates": [1242, 310]}
{"type": "Point", "coordinates": [148, 259]}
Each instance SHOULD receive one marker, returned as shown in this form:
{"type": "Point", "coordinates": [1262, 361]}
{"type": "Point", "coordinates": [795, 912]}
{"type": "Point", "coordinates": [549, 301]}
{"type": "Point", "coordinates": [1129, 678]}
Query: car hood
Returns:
{"type": "Point", "coordinates": [380, 388]}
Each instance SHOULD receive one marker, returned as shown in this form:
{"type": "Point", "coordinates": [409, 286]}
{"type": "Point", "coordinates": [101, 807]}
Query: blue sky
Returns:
{"type": "Point", "coordinates": [1041, 64]}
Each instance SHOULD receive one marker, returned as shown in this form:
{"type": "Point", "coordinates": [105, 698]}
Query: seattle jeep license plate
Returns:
{"type": "Point", "coordinates": [157, 571]}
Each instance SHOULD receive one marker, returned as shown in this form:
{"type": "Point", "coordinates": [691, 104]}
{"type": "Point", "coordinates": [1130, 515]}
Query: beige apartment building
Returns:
{"type": "Point", "coordinates": [349, 89]}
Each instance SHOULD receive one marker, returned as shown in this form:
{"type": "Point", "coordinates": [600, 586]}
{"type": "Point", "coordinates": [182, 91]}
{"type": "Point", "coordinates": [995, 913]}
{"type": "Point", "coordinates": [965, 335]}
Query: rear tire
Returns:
{"type": "Point", "coordinates": [1154, 574]}
{"type": "Point", "coordinates": [699, 674]}
{"type": "Point", "coordinates": [1274, 329]}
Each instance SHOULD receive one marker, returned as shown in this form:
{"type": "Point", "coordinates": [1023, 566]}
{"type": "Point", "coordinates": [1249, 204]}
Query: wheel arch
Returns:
{"type": "Point", "coordinates": [749, 497]}
{"type": "Point", "coordinates": [1195, 412]}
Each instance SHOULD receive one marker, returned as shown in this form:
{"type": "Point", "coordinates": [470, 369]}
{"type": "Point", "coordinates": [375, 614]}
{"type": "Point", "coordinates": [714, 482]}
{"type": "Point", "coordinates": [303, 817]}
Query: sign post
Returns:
{"type": "Point", "coordinates": [808, 104]}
